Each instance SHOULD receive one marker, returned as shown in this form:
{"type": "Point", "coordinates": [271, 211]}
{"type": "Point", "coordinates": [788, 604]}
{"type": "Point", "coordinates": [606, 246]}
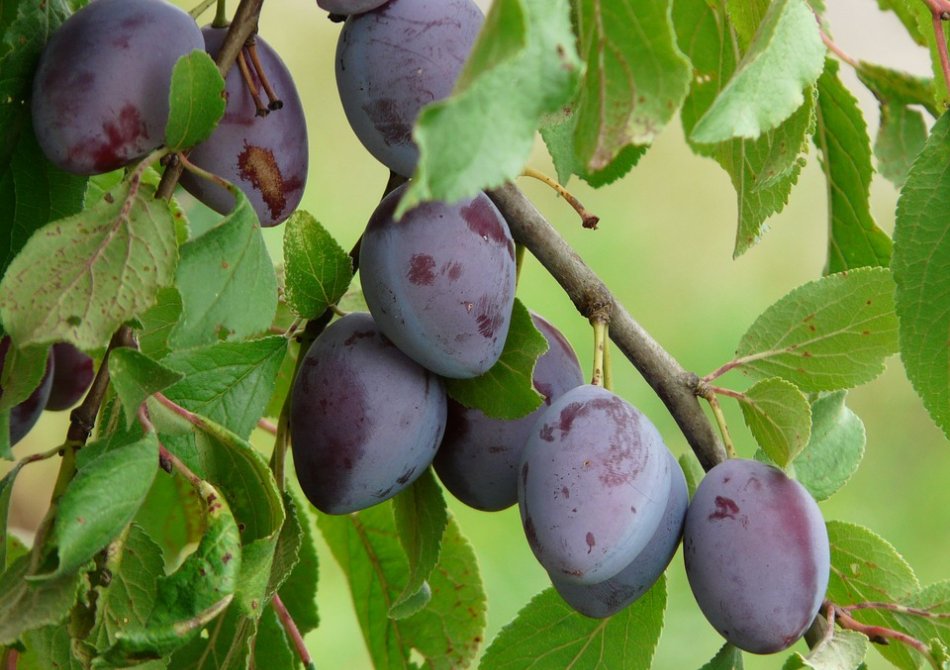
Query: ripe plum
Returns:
{"type": "Point", "coordinates": [100, 93]}
{"type": "Point", "coordinates": [392, 61]}
{"type": "Point", "coordinates": [264, 156]}
{"type": "Point", "coordinates": [72, 376]}
{"type": "Point", "coordinates": [365, 420]}
{"type": "Point", "coordinates": [594, 485]}
{"type": "Point", "coordinates": [756, 553]}
{"type": "Point", "coordinates": [25, 415]}
{"type": "Point", "coordinates": [479, 456]}
{"type": "Point", "coordinates": [440, 282]}
{"type": "Point", "coordinates": [347, 7]}
{"type": "Point", "coordinates": [608, 597]}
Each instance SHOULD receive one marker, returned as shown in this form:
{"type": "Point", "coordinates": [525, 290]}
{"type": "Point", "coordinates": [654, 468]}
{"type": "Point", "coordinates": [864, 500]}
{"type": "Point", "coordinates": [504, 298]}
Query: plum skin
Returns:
{"type": "Point", "coordinates": [440, 282]}
{"type": "Point", "coordinates": [606, 598]}
{"type": "Point", "coordinates": [479, 456]}
{"type": "Point", "coordinates": [395, 59]}
{"type": "Point", "coordinates": [265, 156]}
{"type": "Point", "coordinates": [72, 377]}
{"type": "Point", "coordinates": [100, 92]}
{"type": "Point", "coordinates": [365, 420]}
{"type": "Point", "coordinates": [757, 555]}
{"type": "Point", "coordinates": [594, 484]}
{"type": "Point", "coordinates": [25, 415]}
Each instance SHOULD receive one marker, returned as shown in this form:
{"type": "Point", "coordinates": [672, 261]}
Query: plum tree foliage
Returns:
{"type": "Point", "coordinates": [170, 542]}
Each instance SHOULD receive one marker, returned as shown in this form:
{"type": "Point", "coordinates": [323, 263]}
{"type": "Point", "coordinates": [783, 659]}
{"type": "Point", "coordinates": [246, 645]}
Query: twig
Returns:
{"type": "Point", "coordinates": [838, 51]}
{"type": "Point", "coordinates": [588, 220]}
{"type": "Point", "coordinates": [671, 382]}
{"type": "Point", "coordinates": [882, 633]}
{"type": "Point", "coordinates": [938, 15]}
{"type": "Point", "coordinates": [894, 607]}
{"type": "Point", "coordinates": [267, 426]}
{"type": "Point", "coordinates": [290, 626]}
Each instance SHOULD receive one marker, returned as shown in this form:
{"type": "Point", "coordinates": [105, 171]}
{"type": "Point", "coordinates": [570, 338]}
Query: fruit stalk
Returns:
{"type": "Point", "coordinates": [671, 382]}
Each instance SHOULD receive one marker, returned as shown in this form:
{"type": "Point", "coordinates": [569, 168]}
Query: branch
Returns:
{"type": "Point", "coordinates": [673, 384]}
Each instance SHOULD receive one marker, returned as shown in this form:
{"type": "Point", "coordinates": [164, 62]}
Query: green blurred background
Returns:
{"type": "Point", "coordinates": [665, 248]}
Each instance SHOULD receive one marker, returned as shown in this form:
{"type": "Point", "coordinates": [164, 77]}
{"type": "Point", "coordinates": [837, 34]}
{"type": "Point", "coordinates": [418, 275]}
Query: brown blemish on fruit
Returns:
{"type": "Point", "coordinates": [726, 508]}
{"type": "Point", "coordinates": [590, 542]}
{"type": "Point", "coordinates": [384, 115]}
{"type": "Point", "coordinates": [421, 268]}
{"type": "Point", "coordinates": [483, 221]}
{"type": "Point", "coordinates": [258, 166]}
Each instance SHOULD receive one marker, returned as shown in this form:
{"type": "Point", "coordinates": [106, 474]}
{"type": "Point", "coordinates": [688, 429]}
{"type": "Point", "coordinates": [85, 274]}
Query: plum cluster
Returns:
{"type": "Point", "coordinates": [100, 102]}
{"type": "Point", "coordinates": [68, 375]}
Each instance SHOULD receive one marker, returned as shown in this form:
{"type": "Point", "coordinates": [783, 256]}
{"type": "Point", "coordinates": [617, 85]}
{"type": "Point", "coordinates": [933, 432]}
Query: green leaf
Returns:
{"type": "Point", "coordinates": [506, 391]}
{"type": "Point", "coordinates": [158, 322]}
{"type": "Point", "coordinates": [902, 9]}
{"type": "Point", "coordinates": [284, 379]}
{"type": "Point", "coordinates": [135, 565]}
{"type": "Point", "coordinates": [194, 594]}
{"type": "Point", "coordinates": [786, 56]}
{"type": "Point", "coordinates": [172, 516]}
{"type": "Point", "coordinates": [317, 269]}
{"type": "Point", "coordinates": [522, 66]}
{"type": "Point", "coordinates": [226, 643]}
{"type": "Point", "coordinates": [844, 651]}
{"type": "Point", "coordinates": [746, 16]}
{"type": "Point", "coordinates": [896, 87]}
{"type": "Point", "coordinates": [835, 448]}
{"type": "Point", "coordinates": [779, 416]}
{"type": "Point", "coordinates": [196, 101]}
{"type": "Point", "coordinates": [135, 377]}
{"type": "Point", "coordinates": [257, 559]}
{"type": "Point", "coordinates": [692, 470]}
{"type": "Point", "coordinates": [101, 268]}
{"type": "Point", "coordinates": [240, 473]}
{"type": "Point", "coordinates": [448, 631]}
{"type": "Point", "coordinates": [828, 334]}
{"type": "Point", "coordinates": [934, 599]}
{"type": "Point", "coordinates": [101, 499]}
{"type": "Point", "coordinates": [6, 490]}
{"type": "Point", "coordinates": [921, 268]}
{"type": "Point", "coordinates": [299, 590]}
{"type": "Point", "coordinates": [421, 517]}
{"type": "Point", "coordinates": [229, 382]}
{"type": "Point", "coordinates": [901, 136]}
{"type": "Point", "coordinates": [841, 137]}
{"type": "Point", "coordinates": [26, 605]}
{"type": "Point", "coordinates": [727, 658]}
{"type": "Point", "coordinates": [762, 171]}
{"type": "Point", "coordinates": [548, 633]}
{"type": "Point", "coordinates": [866, 568]}
{"type": "Point", "coordinates": [219, 275]}
{"type": "Point", "coordinates": [23, 370]}
{"type": "Point", "coordinates": [46, 648]}
{"type": "Point", "coordinates": [33, 192]}
{"type": "Point", "coordinates": [635, 79]}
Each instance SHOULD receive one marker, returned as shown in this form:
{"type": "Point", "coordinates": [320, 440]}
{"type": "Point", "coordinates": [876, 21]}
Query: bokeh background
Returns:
{"type": "Point", "coordinates": [664, 247]}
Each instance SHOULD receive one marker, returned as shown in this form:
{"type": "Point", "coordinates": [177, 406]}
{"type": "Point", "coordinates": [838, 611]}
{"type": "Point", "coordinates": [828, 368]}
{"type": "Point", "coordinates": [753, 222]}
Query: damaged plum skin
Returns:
{"type": "Point", "coordinates": [100, 93]}
{"type": "Point", "coordinates": [394, 60]}
{"type": "Point", "coordinates": [593, 487]}
{"type": "Point", "coordinates": [440, 282]}
{"type": "Point", "coordinates": [757, 555]}
{"type": "Point", "coordinates": [365, 420]}
{"type": "Point", "coordinates": [265, 156]}
{"type": "Point", "coordinates": [479, 456]}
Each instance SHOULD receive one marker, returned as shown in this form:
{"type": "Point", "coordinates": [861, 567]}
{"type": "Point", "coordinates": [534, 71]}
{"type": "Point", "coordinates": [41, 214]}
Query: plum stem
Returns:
{"type": "Point", "coordinates": [274, 102]}
{"type": "Point", "coordinates": [267, 426]}
{"type": "Point", "coordinates": [251, 84]}
{"type": "Point", "coordinates": [722, 423]}
{"type": "Point", "coordinates": [204, 174]}
{"type": "Point", "coordinates": [675, 386]}
{"type": "Point", "coordinates": [588, 220]}
{"type": "Point", "coordinates": [600, 337]}
{"type": "Point", "coordinates": [290, 626]}
{"type": "Point", "coordinates": [519, 262]}
{"type": "Point", "coordinates": [220, 14]}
